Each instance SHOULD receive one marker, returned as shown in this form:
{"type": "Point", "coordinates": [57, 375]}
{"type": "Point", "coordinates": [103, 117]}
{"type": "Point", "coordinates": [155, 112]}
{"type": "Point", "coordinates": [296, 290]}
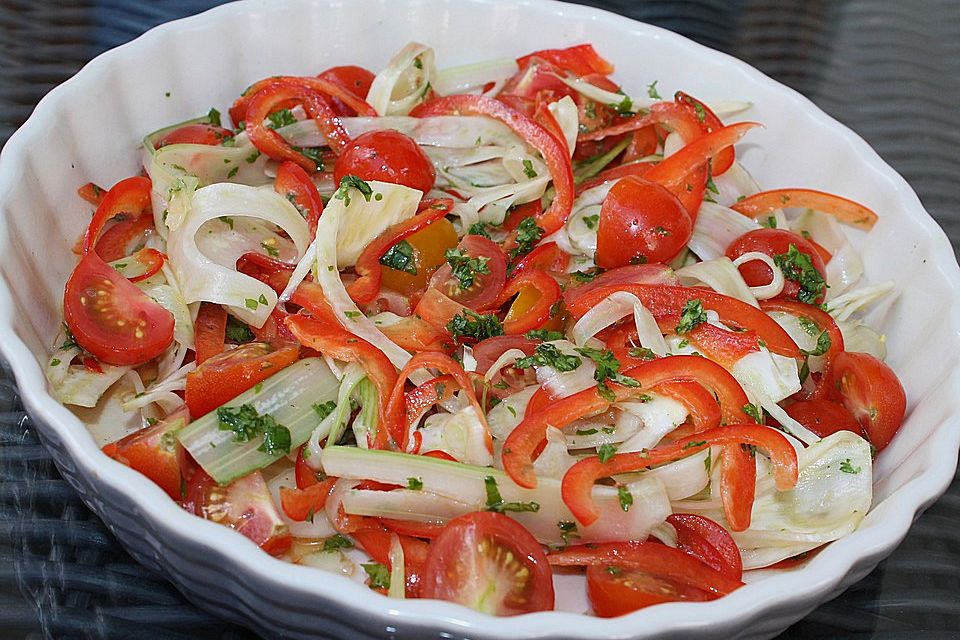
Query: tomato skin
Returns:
{"type": "Point", "coordinates": [244, 505]}
{"type": "Point", "coordinates": [376, 540]}
{"type": "Point", "coordinates": [581, 60]}
{"type": "Point", "coordinates": [871, 391]}
{"type": "Point", "coordinates": [546, 257]}
{"type": "Point", "coordinates": [774, 242]}
{"type": "Point", "coordinates": [501, 550]}
{"type": "Point", "coordinates": [155, 452]}
{"type": "Point", "coordinates": [124, 237]}
{"type": "Point", "coordinates": [294, 183]}
{"type": "Point", "coordinates": [207, 134]}
{"type": "Point", "coordinates": [298, 504]}
{"type": "Point", "coordinates": [227, 375]}
{"type": "Point", "coordinates": [210, 331]}
{"type": "Point", "coordinates": [387, 156]}
{"type": "Point", "coordinates": [631, 589]}
{"type": "Point", "coordinates": [708, 542]}
{"type": "Point", "coordinates": [111, 318]}
{"type": "Point", "coordinates": [486, 286]}
{"type": "Point", "coordinates": [429, 246]}
{"type": "Point", "coordinates": [354, 79]}
{"type": "Point", "coordinates": [824, 417]}
{"type": "Point", "coordinates": [640, 220]}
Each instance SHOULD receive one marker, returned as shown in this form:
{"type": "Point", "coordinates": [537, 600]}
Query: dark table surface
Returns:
{"type": "Point", "coordinates": [889, 69]}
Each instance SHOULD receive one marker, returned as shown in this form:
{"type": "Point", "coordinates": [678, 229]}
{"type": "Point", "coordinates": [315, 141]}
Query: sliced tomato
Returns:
{"type": "Point", "coordinates": [419, 400]}
{"type": "Point", "coordinates": [553, 152]}
{"type": "Point", "coordinates": [210, 331]}
{"type": "Point", "coordinates": [225, 376]}
{"type": "Point", "coordinates": [581, 60]}
{"type": "Point", "coordinates": [485, 288]}
{"type": "Point", "coordinates": [301, 504]}
{"type": "Point", "coordinates": [490, 563]}
{"type": "Point", "coordinates": [428, 530]}
{"type": "Point", "coordinates": [871, 391]}
{"type": "Point", "coordinates": [824, 417]}
{"type": "Point", "coordinates": [846, 211]}
{"type": "Point", "coordinates": [155, 452]}
{"type": "Point", "coordinates": [615, 173]}
{"type": "Point", "coordinates": [536, 292]}
{"type": "Point", "coordinates": [196, 134]}
{"type": "Point", "coordinates": [354, 79]}
{"type": "Point", "coordinates": [438, 309]}
{"type": "Point", "coordinates": [306, 475]}
{"type": "Point", "coordinates": [376, 540]}
{"type": "Point", "coordinates": [643, 143]}
{"type": "Point", "coordinates": [416, 334]}
{"type": "Point", "coordinates": [111, 318]}
{"type": "Point", "coordinates": [292, 182]}
{"type": "Point", "coordinates": [244, 505]}
{"type": "Point", "coordinates": [616, 588]}
{"type": "Point", "coordinates": [429, 246]}
{"type": "Point", "coordinates": [368, 267]}
{"type": "Point", "coordinates": [708, 542]}
{"type": "Point", "coordinates": [486, 352]}
{"type": "Point", "coordinates": [640, 221]}
{"type": "Point", "coordinates": [387, 156]}
{"type": "Point", "coordinates": [775, 242]}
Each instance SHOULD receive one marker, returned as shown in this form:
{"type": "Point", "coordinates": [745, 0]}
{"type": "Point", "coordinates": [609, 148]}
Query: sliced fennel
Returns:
{"type": "Point", "coordinates": [451, 489]}
{"type": "Point", "coordinates": [659, 415]}
{"type": "Point", "coordinates": [721, 275]}
{"type": "Point", "coordinates": [567, 116]}
{"type": "Point", "coordinates": [201, 278]}
{"type": "Point", "coordinates": [461, 434]}
{"type": "Point", "coordinates": [472, 76]}
{"type": "Point", "coordinates": [287, 396]}
{"type": "Point", "coordinates": [504, 418]}
{"type": "Point", "coordinates": [717, 226]}
{"type": "Point", "coordinates": [74, 383]}
{"type": "Point", "coordinates": [404, 82]}
{"type": "Point", "coordinates": [610, 310]}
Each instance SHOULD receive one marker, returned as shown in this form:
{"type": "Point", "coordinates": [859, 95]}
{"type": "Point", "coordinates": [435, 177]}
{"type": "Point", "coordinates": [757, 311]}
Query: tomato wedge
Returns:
{"type": "Point", "coordinates": [844, 210]}
{"type": "Point", "coordinates": [244, 505]}
{"type": "Point", "coordinates": [489, 563]}
{"type": "Point", "coordinates": [773, 242]}
{"type": "Point", "coordinates": [387, 156]}
{"type": "Point", "coordinates": [225, 376]}
{"type": "Point", "coordinates": [354, 79]}
{"type": "Point", "coordinates": [553, 152]}
{"type": "Point", "coordinates": [708, 542]}
{"type": "Point", "coordinates": [301, 504]}
{"type": "Point", "coordinates": [824, 417]}
{"type": "Point", "coordinates": [155, 452]}
{"type": "Point", "coordinates": [641, 221]}
{"type": "Point", "coordinates": [210, 331]}
{"type": "Point", "coordinates": [546, 257]}
{"type": "Point", "coordinates": [871, 391]}
{"type": "Point", "coordinates": [124, 237]}
{"type": "Point", "coordinates": [485, 282]}
{"type": "Point", "coordinates": [376, 540]}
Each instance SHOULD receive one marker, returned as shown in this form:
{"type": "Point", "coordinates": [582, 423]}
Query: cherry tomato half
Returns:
{"type": "Point", "coordinates": [873, 394]}
{"type": "Point", "coordinates": [196, 134]}
{"type": "Point", "coordinates": [615, 590]}
{"type": "Point", "coordinates": [155, 452]}
{"type": "Point", "coordinates": [824, 417]}
{"type": "Point", "coordinates": [387, 156]}
{"type": "Point", "coordinates": [487, 282]}
{"type": "Point", "coordinates": [640, 221]}
{"type": "Point", "coordinates": [708, 542]}
{"type": "Point", "coordinates": [775, 242]}
{"type": "Point", "coordinates": [429, 248]}
{"type": "Point", "coordinates": [354, 79]}
{"type": "Point", "coordinates": [490, 563]}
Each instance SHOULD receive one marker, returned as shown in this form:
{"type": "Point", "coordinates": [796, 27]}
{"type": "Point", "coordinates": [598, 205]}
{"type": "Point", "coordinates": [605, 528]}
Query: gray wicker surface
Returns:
{"type": "Point", "coordinates": [889, 69]}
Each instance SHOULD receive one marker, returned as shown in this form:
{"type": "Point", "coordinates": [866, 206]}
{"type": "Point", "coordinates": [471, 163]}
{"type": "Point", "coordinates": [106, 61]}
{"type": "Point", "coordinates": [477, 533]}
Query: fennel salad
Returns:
{"type": "Point", "coordinates": [458, 332]}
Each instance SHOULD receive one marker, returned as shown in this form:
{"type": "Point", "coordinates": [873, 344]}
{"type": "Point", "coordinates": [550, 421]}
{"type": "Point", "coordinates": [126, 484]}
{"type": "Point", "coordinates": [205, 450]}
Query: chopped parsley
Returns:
{"type": "Point", "coordinates": [568, 529]}
{"type": "Point", "coordinates": [495, 501]}
{"type": "Point", "coordinates": [213, 117]}
{"type": "Point", "coordinates": [55, 362]}
{"type": "Point", "coordinates": [246, 424]}
{"type": "Point", "coordinates": [400, 257]}
{"type": "Point", "coordinates": [585, 276]}
{"type": "Point", "coordinates": [528, 169]}
{"type": "Point", "coordinates": [547, 355]}
{"type": "Point", "coordinates": [691, 316]}
{"type": "Point", "coordinates": [338, 541]}
{"type": "Point", "coordinates": [712, 186]}
{"type": "Point", "coordinates": [316, 155]}
{"type": "Point", "coordinates": [846, 467]}
{"type": "Point", "coordinates": [695, 444]}
{"type": "Point", "coordinates": [69, 342]}
{"type": "Point", "coordinates": [237, 331]}
{"type": "Point", "coordinates": [798, 267]}
{"type": "Point", "coordinates": [270, 246]}
{"type": "Point", "coordinates": [591, 222]}
{"type": "Point", "coordinates": [808, 325]}
{"type": "Point", "coordinates": [280, 118]}
{"type": "Point", "coordinates": [544, 334]}
{"type": "Point", "coordinates": [378, 573]}
{"type": "Point", "coordinates": [625, 497]}
{"type": "Point", "coordinates": [528, 235]}
{"type": "Point", "coordinates": [823, 345]}
{"type": "Point", "coordinates": [324, 409]}
{"type": "Point", "coordinates": [605, 452]}
{"type": "Point", "coordinates": [770, 222]}
{"type": "Point", "coordinates": [480, 229]}
{"type": "Point", "coordinates": [700, 111]}
{"type": "Point", "coordinates": [352, 182]}
{"type": "Point", "coordinates": [608, 368]}
{"type": "Point", "coordinates": [652, 91]}
{"type": "Point", "coordinates": [625, 106]}
{"type": "Point", "coordinates": [754, 412]}
{"type": "Point", "coordinates": [415, 484]}
{"type": "Point", "coordinates": [642, 352]}
{"type": "Point", "coordinates": [472, 325]}
{"type": "Point", "coordinates": [466, 268]}
{"type": "Point", "coordinates": [253, 157]}
{"type": "Point", "coordinates": [232, 172]}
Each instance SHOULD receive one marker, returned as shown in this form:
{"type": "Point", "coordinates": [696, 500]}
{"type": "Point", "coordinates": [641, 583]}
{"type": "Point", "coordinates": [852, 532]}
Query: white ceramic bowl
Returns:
{"type": "Point", "coordinates": [89, 129]}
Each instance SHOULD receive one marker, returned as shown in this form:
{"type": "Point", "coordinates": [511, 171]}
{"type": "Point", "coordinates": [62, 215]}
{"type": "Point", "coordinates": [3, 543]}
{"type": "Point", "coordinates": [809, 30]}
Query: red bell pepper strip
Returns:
{"type": "Point", "coordinates": [419, 400]}
{"type": "Point", "coordinates": [581, 60]}
{"type": "Point", "coordinates": [369, 270]}
{"type": "Point", "coordinates": [117, 241]}
{"type": "Point", "coordinates": [520, 320]}
{"type": "Point", "coordinates": [844, 210]}
{"type": "Point", "coordinates": [399, 430]}
{"type": "Point", "coordinates": [293, 182]}
{"type": "Point", "coordinates": [317, 107]}
{"type": "Point", "coordinates": [337, 343]}
{"type": "Point", "coordinates": [577, 486]}
{"type": "Point", "coordinates": [210, 330]}
{"type": "Point", "coordinates": [546, 257]}
{"type": "Point", "coordinates": [669, 301]}
{"type": "Point", "coordinates": [674, 170]}
{"type": "Point", "coordinates": [324, 87]}
{"type": "Point", "coordinates": [92, 193]}
{"type": "Point", "coordinates": [554, 154]}
{"type": "Point", "coordinates": [128, 199]}
{"type": "Point", "coordinates": [709, 122]}
{"type": "Point", "coordinates": [676, 116]}
{"type": "Point", "coordinates": [818, 316]}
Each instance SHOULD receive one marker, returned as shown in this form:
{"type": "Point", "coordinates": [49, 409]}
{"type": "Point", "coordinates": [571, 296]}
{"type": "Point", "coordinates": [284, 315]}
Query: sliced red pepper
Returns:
{"type": "Point", "coordinates": [121, 238]}
{"type": "Point", "coordinates": [669, 301]}
{"type": "Point", "coordinates": [707, 541]}
{"type": "Point", "coordinates": [525, 314]}
{"type": "Point", "coordinates": [305, 474]}
{"type": "Point", "coordinates": [367, 285]}
{"type": "Point", "coordinates": [342, 345]}
{"type": "Point", "coordinates": [317, 107]}
{"type": "Point", "coordinates": [397, 408]}
{"type": "Point", "coordinates": [293, 182]}
{"type": "Point", "coordinates": [150, 262]}
{"type": "Point", "coordinates": [422, 398]}
{"type": "Point", "coordinates": [815, 314]}
{"type": "Point", "coordinates": [673, 171]}
{"type": "Point", "coordinates": [376, 541]}
{"type": "Point", "coordinates": [301, 504]}
{"type": "Point", "coordinates": [128, 199]}
{"type": "Point", "coordinates": [320, 85]}
{"type": "Point", "coordinates": [581, 60]}
{"type": "Point", "coordinates": [210, 330]}
{"type": "Point", "coordinates": [577, 486]}
{"type": "Point", "coordinates": [415, 334]}
{"type": "Point", "coordinates": [676, 116]}
{"type": "Point", "coordinates": [844, 210]}
{"type": "Point", "coordinates": [643, 143]}
{"type": "Point", "coordinates": [546, 257]}
{"type": "Point", "coordinates": [554, 154]}
{"type": "Point", "coordinates": [709, 122]}
{"type": "Point", "coordinates": [92, 193]}
{"type": "Point", "coordinates": [155, 452]}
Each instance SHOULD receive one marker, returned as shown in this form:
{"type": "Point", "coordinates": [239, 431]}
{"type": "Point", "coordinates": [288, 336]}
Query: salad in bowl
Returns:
{"type": "Point", "coordinates": [461, 333]}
